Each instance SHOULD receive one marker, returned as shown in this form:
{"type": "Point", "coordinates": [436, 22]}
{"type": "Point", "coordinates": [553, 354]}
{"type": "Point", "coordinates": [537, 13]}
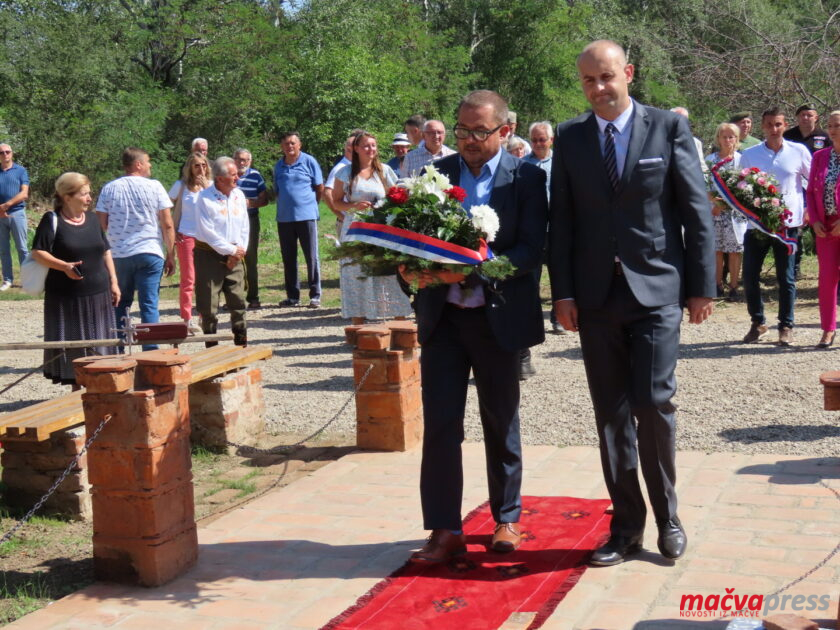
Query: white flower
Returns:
{"type": "Point", "coordinates": [431, 182]}
{"type": "Point", "coordinates": [485, 220]}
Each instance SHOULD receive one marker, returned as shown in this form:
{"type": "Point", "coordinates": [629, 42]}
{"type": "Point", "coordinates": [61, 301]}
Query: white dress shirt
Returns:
{"type": "Point", "coordinates": [790, 165]}
{"type": "Point", "coordinates": [222, 220]}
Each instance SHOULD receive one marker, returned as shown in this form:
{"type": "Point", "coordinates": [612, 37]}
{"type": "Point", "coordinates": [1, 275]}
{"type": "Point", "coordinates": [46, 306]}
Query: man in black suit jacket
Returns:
{"type": "Point", "coordinates": [469, 324]}
{"type": "Point", "coordinates": [631, 242]}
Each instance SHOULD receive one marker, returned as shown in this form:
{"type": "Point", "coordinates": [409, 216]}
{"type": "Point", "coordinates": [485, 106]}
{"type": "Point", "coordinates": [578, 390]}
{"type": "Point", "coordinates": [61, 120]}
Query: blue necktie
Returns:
{"type": "Point", "coordinates": [609, 155]}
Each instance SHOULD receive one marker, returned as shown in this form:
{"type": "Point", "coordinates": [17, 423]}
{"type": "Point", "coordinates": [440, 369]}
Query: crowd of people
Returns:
{"type": "Point", "coordinates": [613, 201]}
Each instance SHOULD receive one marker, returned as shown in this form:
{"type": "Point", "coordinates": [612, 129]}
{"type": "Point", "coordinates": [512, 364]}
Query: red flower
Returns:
{"type": "Point", "coordinates": [755, 170]}
{"type": "Point", "coordinates": [457, 193]}
{"type": "Point", "coordinates": [772, 189]}
{"type": "Point", "coordinates": [397, 195]}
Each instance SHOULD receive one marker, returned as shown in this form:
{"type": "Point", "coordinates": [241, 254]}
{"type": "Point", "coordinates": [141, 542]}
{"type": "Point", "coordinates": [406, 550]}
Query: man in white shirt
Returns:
{"type": "Point", "coordinates": [134, 212]}
{"type": "Point", "coordinates": [434, 133]}
{"type": "Point", "coordinates": [221, 242]}
{"type": "Point", "coordinates": [790, 163]}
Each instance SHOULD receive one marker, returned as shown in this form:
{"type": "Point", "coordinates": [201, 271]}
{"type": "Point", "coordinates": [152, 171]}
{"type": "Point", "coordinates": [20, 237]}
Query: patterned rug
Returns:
{"type": "Point", "coordinates": [483, 589]}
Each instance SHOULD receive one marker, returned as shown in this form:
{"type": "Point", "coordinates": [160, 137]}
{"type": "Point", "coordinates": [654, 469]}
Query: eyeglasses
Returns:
{"type": "Point", "coordinates": [5, 152]}
{"type": "Point", "coordinates": [462, 133]}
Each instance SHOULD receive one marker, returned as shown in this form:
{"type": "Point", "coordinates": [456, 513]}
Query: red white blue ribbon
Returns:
{"type": "Point", "coordinates": [417, 245]}
{"type": "Point", "coordinates": [754, 220]}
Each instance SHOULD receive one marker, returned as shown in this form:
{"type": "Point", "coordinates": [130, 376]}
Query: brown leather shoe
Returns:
{"type": "Point", "coordinates": [441, 546]}
{"type": "Point", "coordinates": [506, 537]}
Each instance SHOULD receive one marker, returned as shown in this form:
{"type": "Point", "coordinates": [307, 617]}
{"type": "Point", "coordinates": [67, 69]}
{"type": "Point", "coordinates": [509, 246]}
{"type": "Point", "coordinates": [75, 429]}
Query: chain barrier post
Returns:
{"type": "Point", "coordinates": [140, 468]}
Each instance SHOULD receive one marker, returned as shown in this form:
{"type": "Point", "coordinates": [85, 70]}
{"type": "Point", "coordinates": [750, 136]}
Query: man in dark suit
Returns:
{"type": "Point", "coordinates": [631, 242]}
{"type": "Point", "coordinates": [467, 323]}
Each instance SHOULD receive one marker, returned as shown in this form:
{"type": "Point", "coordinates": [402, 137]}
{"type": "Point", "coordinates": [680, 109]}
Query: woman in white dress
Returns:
{"type": "Point", "coordinates": [358, 186]}
{"type": "Point", "coordinates": [730, 226]}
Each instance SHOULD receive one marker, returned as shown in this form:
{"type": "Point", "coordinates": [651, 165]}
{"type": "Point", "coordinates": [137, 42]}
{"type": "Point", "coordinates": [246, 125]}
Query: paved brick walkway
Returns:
{"type": "Point", "coordinates": [296, 557]}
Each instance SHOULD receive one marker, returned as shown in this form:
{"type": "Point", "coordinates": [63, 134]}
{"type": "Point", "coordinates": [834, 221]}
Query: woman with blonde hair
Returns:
{"type": "Point", "coordinates": [81, 288]}
{"type": "Point", "coordinates": [730, 226]}
{"type": "Point", "coordinates": [823, 209]}
{"type": "Point", "coordinates": [195, 177]}
{"type": "Point", "coordinates": [358, 186]}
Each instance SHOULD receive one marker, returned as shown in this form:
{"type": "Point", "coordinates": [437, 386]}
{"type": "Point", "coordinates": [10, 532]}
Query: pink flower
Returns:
{"type": "Point", "coordinates": [745, 171]}
{"type": "Point", "coordinates": [741, 185]}
{"type": "Point", "coordinates": [757, 202]}
{"type": "Point", "coordinates": [775, 202]}
{"type": "Point", "coordinates": [761, 181]}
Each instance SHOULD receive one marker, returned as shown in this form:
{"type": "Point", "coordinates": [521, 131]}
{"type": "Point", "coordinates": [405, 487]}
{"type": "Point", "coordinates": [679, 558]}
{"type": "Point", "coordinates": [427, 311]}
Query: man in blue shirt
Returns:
{"type": "Point", "coordinates": [14, 190]}
{"type": "Point", "coordinates": [299, 184]}
{"type": "Point", "coordinates": [251, 183]}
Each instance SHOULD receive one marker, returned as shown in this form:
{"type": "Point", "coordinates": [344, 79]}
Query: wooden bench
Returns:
{"type": "Point", "coordinates": [37, 422]}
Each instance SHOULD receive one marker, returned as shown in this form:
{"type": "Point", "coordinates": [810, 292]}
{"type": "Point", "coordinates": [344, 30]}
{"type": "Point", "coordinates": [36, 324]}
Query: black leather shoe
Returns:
{"type": "Point", "coordinates": [672, 540]}
{"type": "Point", "coordinates": [616, 550]}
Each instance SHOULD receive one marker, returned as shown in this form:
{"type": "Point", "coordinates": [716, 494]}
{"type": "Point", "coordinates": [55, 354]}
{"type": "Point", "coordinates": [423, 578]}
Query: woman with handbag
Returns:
{"type": "Point", "coordinates": [195, 177]}
{"type": "Point", "coordinates": [81, 286]}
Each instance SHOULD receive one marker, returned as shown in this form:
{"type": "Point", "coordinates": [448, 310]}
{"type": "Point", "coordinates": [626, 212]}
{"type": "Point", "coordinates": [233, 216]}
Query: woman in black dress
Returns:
{"type": "Point", "coordinates": [81, 287]}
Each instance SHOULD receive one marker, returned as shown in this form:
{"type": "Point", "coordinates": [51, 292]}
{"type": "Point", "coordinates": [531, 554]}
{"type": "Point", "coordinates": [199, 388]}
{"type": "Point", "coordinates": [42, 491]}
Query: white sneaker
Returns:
{"type": "Point", "coordinates": [194, 326]}
{"type": "Point", "coordinates": [5, 286]}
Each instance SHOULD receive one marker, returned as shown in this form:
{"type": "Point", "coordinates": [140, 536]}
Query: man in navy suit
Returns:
{"type": "Point", "coordinates": [467, 323]}
{"type": "Point", "coordinates": [631, 242]}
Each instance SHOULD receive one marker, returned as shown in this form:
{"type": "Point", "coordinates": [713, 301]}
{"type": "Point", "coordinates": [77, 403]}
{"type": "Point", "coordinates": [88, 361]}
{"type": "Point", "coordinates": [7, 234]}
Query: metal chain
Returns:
{"type": "Point", "coordinates": [824, 561]}
{"type": "Point", "coordinates": [28, 374]}
{"type": "Point", "coordinates": [57, 483]}
{"type": "Point", "coordinates": [815, 568]}
{"type": "Point", "coordinates": [274, 450]}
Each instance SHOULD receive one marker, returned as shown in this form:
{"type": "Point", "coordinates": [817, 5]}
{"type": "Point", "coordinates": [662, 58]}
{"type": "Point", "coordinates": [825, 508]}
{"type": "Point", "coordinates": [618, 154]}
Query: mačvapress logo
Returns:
{"type": "Point", "coordinates": [736, 605]}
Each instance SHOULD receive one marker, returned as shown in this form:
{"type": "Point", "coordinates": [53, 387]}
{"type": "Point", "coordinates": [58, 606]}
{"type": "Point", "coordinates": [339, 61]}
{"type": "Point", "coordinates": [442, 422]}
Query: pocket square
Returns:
{"type": "Point", "coordinates": [652, 160]}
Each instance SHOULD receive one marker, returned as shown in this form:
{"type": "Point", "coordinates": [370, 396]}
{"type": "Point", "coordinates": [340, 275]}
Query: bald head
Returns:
{"type": "Point", "coordinates": [605, 77]}
{"type": "Point", "coordinates": [601, 47]}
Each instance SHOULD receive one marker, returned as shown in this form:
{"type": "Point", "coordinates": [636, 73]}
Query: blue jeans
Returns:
{"type": "Point", "coordinates": [15, 226]}
{"type": "Point", "coordinates": [755, 251]}
{"type": "Point", "coordinates": [141, 272]}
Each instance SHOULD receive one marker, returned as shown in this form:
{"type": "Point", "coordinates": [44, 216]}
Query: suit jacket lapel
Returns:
{"type": "Point", "coordinates": [638, 134]}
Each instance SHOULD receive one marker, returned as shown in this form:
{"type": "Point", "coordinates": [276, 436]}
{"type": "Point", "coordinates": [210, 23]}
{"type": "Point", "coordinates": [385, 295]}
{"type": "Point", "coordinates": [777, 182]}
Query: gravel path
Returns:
{"type": "Point", "coordinates": [732, 397]}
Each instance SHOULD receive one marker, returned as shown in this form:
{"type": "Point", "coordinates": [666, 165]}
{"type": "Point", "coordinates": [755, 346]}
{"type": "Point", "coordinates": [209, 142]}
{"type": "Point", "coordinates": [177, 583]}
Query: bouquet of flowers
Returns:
{"type": "Point", "coordinates": [755, 195]}
{"type": "Point", "coordinates": [421, 224]}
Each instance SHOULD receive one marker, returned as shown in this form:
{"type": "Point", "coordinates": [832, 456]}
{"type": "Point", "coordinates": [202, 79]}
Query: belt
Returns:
{"type": "Point", "coordinates": [203, 245]}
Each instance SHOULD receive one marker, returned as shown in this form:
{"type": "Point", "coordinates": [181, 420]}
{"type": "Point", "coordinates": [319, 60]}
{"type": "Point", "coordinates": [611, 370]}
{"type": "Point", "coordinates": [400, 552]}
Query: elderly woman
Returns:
{"type": "Point", "coordinates": [823, 206]}
{"type": "Point", "coordinates": [730, 226]}
{"type": "Point", "coordinates": [195, 177]}
{"type": "Point", "coordinates": [81, 288]}
{"type": "Point", "coordinates": [358, 186]}
{"type": "Point", "coordinates": [516, 147]}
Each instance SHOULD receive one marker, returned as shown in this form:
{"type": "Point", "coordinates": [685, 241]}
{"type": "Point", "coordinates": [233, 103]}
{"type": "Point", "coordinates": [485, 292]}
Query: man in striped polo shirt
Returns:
{"type": "Point", "coordinates": [253, 185]}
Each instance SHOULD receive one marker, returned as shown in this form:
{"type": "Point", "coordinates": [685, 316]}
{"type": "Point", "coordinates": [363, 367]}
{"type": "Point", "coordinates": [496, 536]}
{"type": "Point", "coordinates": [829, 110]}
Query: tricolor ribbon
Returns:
{"type": "Point", "coordinates": [754, 220]}
{"type": "Point", "coordinates": [418, 245]}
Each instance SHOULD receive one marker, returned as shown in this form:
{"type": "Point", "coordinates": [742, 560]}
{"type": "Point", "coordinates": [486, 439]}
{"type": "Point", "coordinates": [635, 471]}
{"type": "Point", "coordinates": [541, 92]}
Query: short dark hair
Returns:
{"type": "Point", "coordinates": [418, 120]}
{"type": "Point", "coordinates": [482, 98]}
{"type": "Point", "coordinates": [287, 134]}
{"type": "Point", "coordinates": [130, 155]}
{"type": "Point", "coordinates": [773, 112]}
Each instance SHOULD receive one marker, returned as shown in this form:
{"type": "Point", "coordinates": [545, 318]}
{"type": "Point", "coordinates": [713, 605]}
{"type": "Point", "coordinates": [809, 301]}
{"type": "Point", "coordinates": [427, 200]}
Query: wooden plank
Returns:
{"type": "Point", "coordinates": [41, 429]}
{"type": "Point", "coordinates": [68, 401]}
{"type": "Point", "coordinates": [104, 343]}
{"type": "Point", "coordinates": [231, 361]}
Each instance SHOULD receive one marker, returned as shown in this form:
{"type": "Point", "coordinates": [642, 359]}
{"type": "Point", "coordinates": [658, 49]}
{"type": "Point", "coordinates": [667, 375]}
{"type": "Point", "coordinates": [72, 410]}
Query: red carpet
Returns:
{"type": "Point", "coordinates": [482, 589]}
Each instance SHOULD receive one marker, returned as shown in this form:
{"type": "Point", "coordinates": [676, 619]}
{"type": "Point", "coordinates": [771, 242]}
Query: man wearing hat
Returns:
{"type": "Point", "coordinates": [806, 130]}
{"type": "Point", "coordinates": [743, 120]}
{"type": "Point", "coordinates": [400, 146]}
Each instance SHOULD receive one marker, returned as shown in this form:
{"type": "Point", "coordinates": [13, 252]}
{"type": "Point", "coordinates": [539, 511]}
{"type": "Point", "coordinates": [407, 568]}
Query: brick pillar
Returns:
{"type": "Point", "coordinates": [140, 467]}
{"type": "Point", "coordinates": [389, 412]}
{"type": "Point", "coordinates": [831, 390]}
{"type": "Point", "coordinates": [30, 469]}
{"type": "Point", "coordinates": [228, 408]}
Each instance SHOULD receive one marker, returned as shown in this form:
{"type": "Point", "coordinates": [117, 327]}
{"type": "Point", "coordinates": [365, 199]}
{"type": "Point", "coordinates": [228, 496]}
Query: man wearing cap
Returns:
{"type": "Point", "coordinates": [512, 135]}
{"type": "Point", "coordinates": [434, 133]}
{"type": "Point", "coordinates": [743, 120]}
{"type": "Point", "coordinates": [400, 146]}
